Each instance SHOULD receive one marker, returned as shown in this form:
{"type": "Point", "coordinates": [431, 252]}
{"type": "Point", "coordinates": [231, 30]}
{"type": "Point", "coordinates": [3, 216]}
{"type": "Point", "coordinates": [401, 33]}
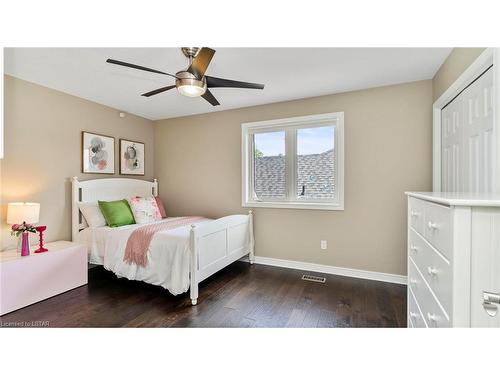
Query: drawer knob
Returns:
{"type": "Point", "coordinates": [432, 271]}
{"type": "Point", "coordinates": [414, 213]}
{"type": "Point", "coordinates": [413, 281]}
{"type": "Point", "coordinates": [432, 225]}
{"type": "Point", "coordinates": [414, 248]}
{"type": "Point", "coordinates": [432, 317]}
{"type": "Point", "coordinates": [414, 315]}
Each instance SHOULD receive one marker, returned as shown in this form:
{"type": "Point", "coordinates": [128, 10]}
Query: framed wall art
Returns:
{"type": "Point", "coordinates": [132, 157]}
{"type": "Point", "coordinates": [98, 153]}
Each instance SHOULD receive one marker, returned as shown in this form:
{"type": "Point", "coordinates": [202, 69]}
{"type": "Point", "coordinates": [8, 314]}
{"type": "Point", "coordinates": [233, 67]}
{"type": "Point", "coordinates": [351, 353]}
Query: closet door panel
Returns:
{"type": "Point", "coordinates": [452, 147]}
{"type": "Point", "coordinates": [478, 134]}
{"type": "Point", "coordinates": [467, 139]}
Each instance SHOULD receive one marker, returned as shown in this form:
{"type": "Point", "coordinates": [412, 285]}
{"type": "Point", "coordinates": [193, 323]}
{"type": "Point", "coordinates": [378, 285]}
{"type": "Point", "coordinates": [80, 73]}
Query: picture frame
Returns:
{"type": "Point", "coordinates": [98, 153]}
{"type": "Point", "coordinates": [132, 158]}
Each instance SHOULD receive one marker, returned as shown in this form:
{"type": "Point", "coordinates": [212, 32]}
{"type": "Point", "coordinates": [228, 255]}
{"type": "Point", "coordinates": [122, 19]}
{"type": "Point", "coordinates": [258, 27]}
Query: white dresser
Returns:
{"type": "Point", "coordinates": [453, 260]}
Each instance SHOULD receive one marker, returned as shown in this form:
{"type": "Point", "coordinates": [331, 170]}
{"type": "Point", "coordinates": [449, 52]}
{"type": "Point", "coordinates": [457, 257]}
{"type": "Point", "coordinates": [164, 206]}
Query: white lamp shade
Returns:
{"type": "Point", "coordinates": [19, 212]}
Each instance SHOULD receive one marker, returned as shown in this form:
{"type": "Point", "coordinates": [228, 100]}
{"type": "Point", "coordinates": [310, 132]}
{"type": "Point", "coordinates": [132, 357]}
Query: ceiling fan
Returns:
{"type": "Point", "coordinates": [193, 82]}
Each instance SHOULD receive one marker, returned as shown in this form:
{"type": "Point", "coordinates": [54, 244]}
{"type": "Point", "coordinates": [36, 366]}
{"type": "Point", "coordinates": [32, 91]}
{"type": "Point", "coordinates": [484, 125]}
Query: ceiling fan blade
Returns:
{"type": "Point", "coordinates": [221, 82]}
{"type": "Point", "coordinates": [129, 65]}
{"type": "Point", "coordinates": [210, 98]}
{"type": "Point", "coordinates": [157, 91]}
{"type": "Point", "coordinates": [201, 61]}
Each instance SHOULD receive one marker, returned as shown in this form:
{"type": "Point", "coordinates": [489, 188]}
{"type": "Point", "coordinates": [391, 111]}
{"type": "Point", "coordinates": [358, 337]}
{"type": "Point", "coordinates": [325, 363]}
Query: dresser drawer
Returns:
{"type": "Point", "coordinates": [432, 312]}
{"type": "Point", "coordinates": [436, 270]}
{"type": "Point", "coordinates": [416, 215]}
{"type": "Point", "coordinates": [438, 227]}
{"type": "Point", "coordinates": [415, 318]}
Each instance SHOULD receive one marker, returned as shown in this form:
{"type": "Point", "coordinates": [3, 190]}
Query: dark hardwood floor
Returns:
{"type": "Point", "coordinates": [239, 296]}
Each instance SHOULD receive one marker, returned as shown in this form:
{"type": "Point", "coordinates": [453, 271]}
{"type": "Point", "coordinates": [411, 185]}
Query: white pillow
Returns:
{"type": "Point", "coordinates": [92, 214]}
{"type": "Point", "coordinates": [145, 210]}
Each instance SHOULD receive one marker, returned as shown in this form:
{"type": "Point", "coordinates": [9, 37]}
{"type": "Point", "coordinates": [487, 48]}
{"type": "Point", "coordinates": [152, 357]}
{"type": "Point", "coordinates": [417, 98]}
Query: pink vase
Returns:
{"type": "Point", "coordinates": [25, 244]}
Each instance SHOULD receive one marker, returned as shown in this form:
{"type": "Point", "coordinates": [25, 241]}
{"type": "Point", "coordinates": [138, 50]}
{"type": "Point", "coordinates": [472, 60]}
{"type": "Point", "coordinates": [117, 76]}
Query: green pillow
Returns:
{"type": "Point", "coordinates": [117, 213]}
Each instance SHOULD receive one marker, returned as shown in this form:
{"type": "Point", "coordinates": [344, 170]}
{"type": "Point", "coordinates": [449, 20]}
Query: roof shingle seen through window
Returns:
{"type": "Point", "coordinates": [315, 176]}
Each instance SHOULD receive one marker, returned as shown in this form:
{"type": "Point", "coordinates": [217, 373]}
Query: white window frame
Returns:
{"type": "Point", "coordinates": [290, 126]}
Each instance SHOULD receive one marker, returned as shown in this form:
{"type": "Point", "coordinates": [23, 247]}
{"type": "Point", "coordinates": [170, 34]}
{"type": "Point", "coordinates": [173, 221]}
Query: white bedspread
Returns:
{"type": "Point", "coordinates": [168, 255]}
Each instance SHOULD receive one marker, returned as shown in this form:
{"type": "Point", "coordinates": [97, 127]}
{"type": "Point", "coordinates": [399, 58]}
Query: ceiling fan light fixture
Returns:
{"type": "Point", "coordinates": [188, 85]}
{"type": "Point", "coordinates": [191, 91]}
{"type": "Point", "coordinates": [192, 82]}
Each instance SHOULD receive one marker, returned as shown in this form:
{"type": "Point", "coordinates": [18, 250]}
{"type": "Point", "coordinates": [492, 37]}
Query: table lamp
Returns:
{"type": "Point", "coordinates": [23, 212]}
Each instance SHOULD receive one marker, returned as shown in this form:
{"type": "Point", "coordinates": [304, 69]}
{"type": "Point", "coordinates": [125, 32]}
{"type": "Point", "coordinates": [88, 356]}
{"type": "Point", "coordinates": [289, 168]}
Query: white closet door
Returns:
{"type": "Point", "coordinates": [467, 139]}
{"type": "Point", "coordinates": [485, 266]}
{"type": "Point", "coordinates": [452, 129]}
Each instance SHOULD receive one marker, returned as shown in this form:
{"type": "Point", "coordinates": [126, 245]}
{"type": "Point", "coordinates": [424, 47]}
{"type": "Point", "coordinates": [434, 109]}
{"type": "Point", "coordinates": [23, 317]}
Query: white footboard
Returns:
{"type": "Point", "coordinates": [216, 244]}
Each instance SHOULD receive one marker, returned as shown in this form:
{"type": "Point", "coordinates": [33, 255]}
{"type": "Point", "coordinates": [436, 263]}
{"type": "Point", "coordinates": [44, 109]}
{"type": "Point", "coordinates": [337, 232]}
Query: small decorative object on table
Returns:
{"type": "Point", "coordinates": [40, 229]}
{"type": "Point", "coordinates": [26, 213]}
{"type": "Point", "coordinates": [23, 230]}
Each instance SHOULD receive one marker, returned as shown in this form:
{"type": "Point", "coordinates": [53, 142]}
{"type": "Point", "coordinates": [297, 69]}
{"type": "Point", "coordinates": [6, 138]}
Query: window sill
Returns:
{"type": "Point", "coordinates": [297, 205]}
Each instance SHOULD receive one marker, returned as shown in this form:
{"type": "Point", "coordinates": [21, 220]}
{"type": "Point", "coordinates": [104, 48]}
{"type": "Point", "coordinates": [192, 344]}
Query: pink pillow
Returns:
{"type": "Point", "coordinates": [160, 205]}
{"type": "Point", "coordinates": [145, 210]}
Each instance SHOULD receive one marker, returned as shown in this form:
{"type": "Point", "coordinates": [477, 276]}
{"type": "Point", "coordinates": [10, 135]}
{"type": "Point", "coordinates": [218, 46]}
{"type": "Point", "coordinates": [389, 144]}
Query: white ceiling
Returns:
{"type": "Point", "coordinates": [288, 73]}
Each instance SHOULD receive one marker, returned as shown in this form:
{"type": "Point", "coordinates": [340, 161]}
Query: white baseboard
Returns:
{"type": "Point", "coordinates": [332, 270]}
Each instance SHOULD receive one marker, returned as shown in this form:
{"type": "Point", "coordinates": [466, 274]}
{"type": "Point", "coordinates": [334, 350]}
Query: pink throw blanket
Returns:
{"type": "Point", "coordinates": [140, 239]}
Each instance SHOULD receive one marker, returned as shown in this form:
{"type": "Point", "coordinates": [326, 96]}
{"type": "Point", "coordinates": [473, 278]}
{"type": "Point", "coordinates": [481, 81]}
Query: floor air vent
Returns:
{"type": "Point", "coordinates": [316, 279]}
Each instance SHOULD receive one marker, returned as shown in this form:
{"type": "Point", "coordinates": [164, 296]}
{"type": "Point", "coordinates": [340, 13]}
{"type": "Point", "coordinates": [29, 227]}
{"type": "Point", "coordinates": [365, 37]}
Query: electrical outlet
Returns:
{"type": "Point", "coordinates": [324, 245]}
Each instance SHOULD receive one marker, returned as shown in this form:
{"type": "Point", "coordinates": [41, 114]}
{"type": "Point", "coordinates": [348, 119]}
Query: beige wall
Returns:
{"type": "Point", "coordinates": [43, 149]}
{"type": "Point", "coordinates": [387, 151]}
{"type": "Point", "coordinates": [456, 63]}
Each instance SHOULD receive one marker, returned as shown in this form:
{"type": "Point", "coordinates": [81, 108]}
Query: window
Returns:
{"type": "Point", "coordinates": [269, 165]}
{"type": "Point", "coordinates": [294, 162]}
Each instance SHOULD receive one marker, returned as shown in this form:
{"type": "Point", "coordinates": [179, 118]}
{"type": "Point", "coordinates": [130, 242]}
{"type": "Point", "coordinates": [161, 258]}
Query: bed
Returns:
{"type": "Point", "coordinates": [178, 259]}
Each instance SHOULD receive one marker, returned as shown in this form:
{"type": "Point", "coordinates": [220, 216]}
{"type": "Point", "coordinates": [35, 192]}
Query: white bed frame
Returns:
{"type": "Point", "coordinates": [213, 245]}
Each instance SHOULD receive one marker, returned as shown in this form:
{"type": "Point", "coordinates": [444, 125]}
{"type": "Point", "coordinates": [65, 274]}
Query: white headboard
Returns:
{"type": "Point", "coordinates": [105, 189]}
